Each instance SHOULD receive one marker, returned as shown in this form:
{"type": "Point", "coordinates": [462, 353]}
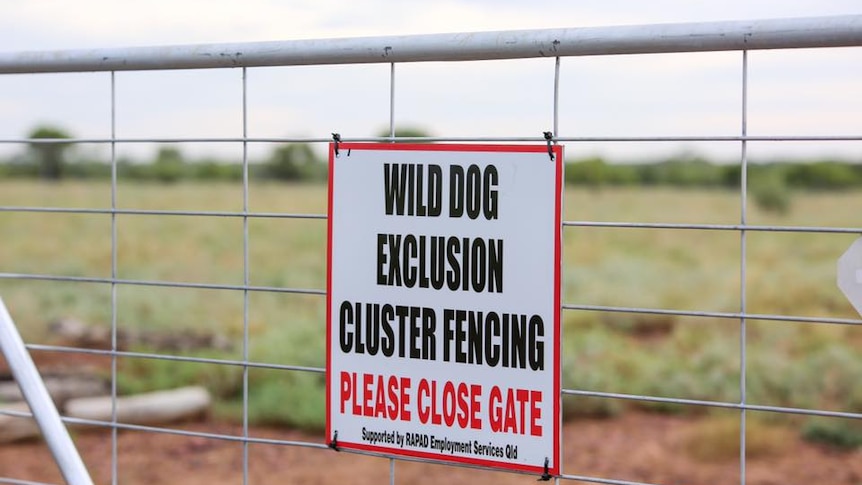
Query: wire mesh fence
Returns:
{"type": "Point", "coordinates": [238, 258]}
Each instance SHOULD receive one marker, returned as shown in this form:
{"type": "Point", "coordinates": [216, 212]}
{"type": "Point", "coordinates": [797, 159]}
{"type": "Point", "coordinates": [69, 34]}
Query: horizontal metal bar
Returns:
{"type": "Point", "coordinates": [723, 315]}
{"type": "Point", "coordinates": [171, 431]}
{"type": "Point", "coordinates": [657, 399]}
{"type": "Point", "coordinates": [728, 138]}
{"type": "Point", "coordinates": [838, 31]}
{"type": "Point", "coordinates": [435, 139]}
{"type": "Point", "coordinates": [609, 481]}
{"type": "Point", "coordinates": [151, 212]}
{"type": "Point", "coordinates": [175, 358]}
{"type": "Point", "coordinates": [807, 412]}
{"type": "Point", "coordinates": [167, 284]}
{"type": "Point", "coordinates": [196, 434]}
{"type": "Point", "coordinates": [285, 215]}
{"type": "Point", "coordinates": [714, 227]}
{"type": "Point", "coordinates": [64, 141]}
{"type": "Point", "coordinates": [714, 404]}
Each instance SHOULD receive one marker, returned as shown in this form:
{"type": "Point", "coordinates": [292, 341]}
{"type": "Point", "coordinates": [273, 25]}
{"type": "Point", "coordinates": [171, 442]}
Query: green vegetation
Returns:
{"type": "Point", "coordinates": [405, 132]}
{"type": "Point", "coordinates": [295, 162]}
{"type": "Point", "coordinates": [789, 364]}
{"type": "Point", "coordinates": [770, 190]}
{"type": "Point", "coordinates": [841, 433]}
{"type": "Point", "coordinates": [48, 155]}
{"type": "Point", "coordinates": [693, 171]}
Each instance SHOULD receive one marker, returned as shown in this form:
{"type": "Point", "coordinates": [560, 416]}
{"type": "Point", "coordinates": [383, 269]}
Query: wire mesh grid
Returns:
{"type": "Point", "coordinates": [743, 229]}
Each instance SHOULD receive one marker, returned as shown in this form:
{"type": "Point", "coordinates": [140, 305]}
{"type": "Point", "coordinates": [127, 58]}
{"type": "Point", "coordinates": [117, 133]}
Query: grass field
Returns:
{"type": "Point", "coordinates": [786, 273]}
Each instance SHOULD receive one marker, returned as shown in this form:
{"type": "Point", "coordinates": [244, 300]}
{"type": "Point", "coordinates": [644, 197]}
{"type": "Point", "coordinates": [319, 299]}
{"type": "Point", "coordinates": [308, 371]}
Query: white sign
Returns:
{"type": "Point", "coordinates": [443, 316]}
{"type": "Point", "coordinates": [850, 274]}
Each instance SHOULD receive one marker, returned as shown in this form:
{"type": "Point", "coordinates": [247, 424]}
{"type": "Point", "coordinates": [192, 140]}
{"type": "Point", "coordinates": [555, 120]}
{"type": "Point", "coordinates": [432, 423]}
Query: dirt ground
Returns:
{"type": "Point", "coordinates": [636, 447]}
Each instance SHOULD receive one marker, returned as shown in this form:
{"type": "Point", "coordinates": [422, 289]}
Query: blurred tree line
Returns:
{"type": "Point", "coordinates": [51, 157]}
{"type": "Point", "coordinates": [693, 171]}
{"type": "Point", "coordinates": [770, 184]}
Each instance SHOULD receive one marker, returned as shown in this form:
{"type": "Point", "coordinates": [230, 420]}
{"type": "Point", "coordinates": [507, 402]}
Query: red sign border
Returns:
{"type": "Point", "coordinates": [557, 150]}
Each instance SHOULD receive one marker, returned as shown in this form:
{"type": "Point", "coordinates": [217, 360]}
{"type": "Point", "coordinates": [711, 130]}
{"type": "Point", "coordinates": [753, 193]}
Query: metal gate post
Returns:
{"type": "Point", "coordinates": [24, 370]}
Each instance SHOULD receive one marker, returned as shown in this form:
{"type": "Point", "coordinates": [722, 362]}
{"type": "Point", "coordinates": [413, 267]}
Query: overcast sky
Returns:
{"type": "Point", "coordinates": [790, 92]}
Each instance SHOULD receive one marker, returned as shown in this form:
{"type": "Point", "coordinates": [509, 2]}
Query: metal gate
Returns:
{"type": "Point", "coordinates": [557, 47]}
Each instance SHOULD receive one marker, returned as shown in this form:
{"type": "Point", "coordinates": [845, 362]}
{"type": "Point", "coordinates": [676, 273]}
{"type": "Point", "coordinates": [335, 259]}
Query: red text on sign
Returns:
{"type": "Point", "coordinates": [375, 396]}
{"type": "Point", "coordinates": [449, 404]}
{"type": "Point", "coordinates": [515, 411]}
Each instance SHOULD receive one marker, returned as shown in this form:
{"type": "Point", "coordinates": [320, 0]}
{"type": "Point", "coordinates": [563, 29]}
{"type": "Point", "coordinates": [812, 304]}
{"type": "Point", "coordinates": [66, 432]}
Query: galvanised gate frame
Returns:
{"type": "Point", "coordinates": [741, 36]}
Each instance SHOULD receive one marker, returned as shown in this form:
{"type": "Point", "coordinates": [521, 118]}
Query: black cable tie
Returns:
{"type": "Point", "coordinates": [334, 443]}
{"type": "Point", "coordinates": [337, 138]}
{"type": "Point", "coordinates": [546, 476]}
{"type": "Point", "coordinates": [549, 136]}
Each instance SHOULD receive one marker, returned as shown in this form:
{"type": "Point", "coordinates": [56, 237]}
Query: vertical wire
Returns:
{"type": "Point", "coordinates": [392, 138]}
{"type": "Point", "coordinates": [392, 101]}
{"type": "Point", "coordinates": [743, 257]}
{"type": "Point", "coordinates": [114, 454]}
{"type": "Point", "coordinates": [556, 127]}
{"type": "Point", "coordinates": [245, 278]}
{"type": "Point", "coordinates": [557, 96]}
